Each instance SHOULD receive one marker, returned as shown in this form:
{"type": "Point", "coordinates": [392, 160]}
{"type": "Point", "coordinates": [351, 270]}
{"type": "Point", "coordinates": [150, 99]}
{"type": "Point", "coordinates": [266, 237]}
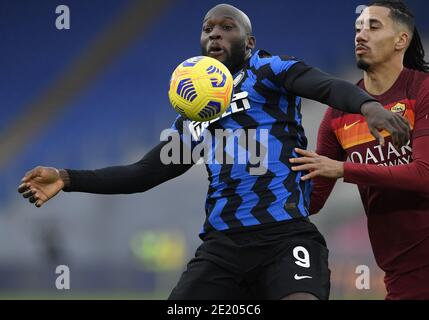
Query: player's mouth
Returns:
{"type": "Point", "coordinates": [215, 51]}
{"type": "Point", "coordinates": [361, 49]}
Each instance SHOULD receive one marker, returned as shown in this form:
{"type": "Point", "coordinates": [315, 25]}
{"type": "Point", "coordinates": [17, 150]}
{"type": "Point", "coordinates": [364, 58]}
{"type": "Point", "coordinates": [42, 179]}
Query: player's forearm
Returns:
{"type": "Point", "coordinates": [412, 177]}
{"type": "Point", "coordinates": [312, 83]}
{"type": "Point", "coordinates": [114, 180]}
{"type": "Point", "coordinates": [138, 177]}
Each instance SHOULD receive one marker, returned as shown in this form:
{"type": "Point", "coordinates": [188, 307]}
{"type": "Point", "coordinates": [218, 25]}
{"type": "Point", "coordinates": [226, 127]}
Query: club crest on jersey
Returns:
{"type": "Point", "coordinates": [239, 103]}
{"type": "Point", "coordinates": [399, 108]}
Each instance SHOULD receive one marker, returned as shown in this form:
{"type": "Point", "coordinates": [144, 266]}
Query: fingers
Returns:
{"type": "Point", "coordinates": [310, 176]}
{"type": "Point", "coordinates": [404, 121]}
{"type": "Point", "coordinates": [399, 129]}
{"type": "Point", "coordinates": [28, 194]}
{"type": "Point", "coordinates": [37, 199]}
{"type": "Point", "coordinates": [28, 176]}
{"type": "Point", "coordinates": [307, 160]}
{"type": "Point", "coordinates": [398, 132]}
{"type": "Point", "coordinates": [396, 137]}
{"type": "Point", "coordinates": [305, 153]}
{"type": "Point", "coordinates": [394, 123]}
{"type": "Point", "coordinates": [31, 174]}
{"type": "Point", "coordinates": [302, 160]}
{"type": "Point", "coordinates": [33, 195]}
{"type": "Point", "coordinates": [305, 167]}
{"type": "Point", "coordinates": [32, 199]}
{"type": "Point", "coordinates": [404, 131]}
{"type": "Point", "coordinates": [23, 187]}
{"type": "Point", "coordinates": [377, 135]}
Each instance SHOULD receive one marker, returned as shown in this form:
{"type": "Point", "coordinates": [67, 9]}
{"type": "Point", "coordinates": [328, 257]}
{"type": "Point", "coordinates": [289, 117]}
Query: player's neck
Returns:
{"type": "Point", "coordinates": [242, 65]}
{"type": "Point", "coordinates": [379, 79]}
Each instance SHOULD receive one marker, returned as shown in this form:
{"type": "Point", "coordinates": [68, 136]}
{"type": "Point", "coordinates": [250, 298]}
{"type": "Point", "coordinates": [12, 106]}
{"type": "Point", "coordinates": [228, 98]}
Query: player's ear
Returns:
{"type": "Point", "coordinates": [251, 43]}
{"type": "Point", "coordinates": [402, 41]}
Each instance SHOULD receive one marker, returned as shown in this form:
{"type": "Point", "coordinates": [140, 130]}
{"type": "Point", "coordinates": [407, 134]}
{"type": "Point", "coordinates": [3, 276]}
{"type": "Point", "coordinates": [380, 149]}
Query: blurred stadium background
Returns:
{"type": "Point", "coordinates": [95, 96]}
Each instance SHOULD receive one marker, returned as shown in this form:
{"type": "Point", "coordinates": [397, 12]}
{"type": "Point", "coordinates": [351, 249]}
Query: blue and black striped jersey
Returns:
{"type": "Point", "coordinates": [266, 110]}
{"type": "Point", "coordinates": [271, 119]}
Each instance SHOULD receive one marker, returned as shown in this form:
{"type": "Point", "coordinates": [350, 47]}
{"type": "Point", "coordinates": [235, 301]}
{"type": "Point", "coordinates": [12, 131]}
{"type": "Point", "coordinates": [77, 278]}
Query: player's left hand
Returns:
{"type": "Point", "coordinates": [319, 166]}
{"type": "Point", "coordinates": [379, 119]}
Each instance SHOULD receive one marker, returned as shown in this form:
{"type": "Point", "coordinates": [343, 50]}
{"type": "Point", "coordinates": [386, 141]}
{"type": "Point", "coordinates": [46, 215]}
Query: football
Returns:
{"type": "Point", "coordinates": [201, 89]}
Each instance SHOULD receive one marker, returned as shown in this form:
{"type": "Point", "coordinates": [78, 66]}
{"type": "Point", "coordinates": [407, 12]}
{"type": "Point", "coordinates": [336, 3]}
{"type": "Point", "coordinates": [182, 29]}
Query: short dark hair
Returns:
{"type": "Point", "coordinates": [399, 12]}
{"type": "Point", "coordinates": [415, 54]}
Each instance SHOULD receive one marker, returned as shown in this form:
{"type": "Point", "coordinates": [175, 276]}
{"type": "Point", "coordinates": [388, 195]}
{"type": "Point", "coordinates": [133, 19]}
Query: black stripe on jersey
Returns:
{"type": "Point", "coordinates": [234, 200]}
{"type": "Point", "coordinates": [292, 203]}
{"type": "Point", "coordinates": [272, 107]}
{"type": "Point", "coordinates": [230, 191]}
{"type": "Point", "coordinates": [279, 131]}
{"type": "Point", "coordinates": [266, 197]}
{"type": "Point", "coordinates": [210, 203]}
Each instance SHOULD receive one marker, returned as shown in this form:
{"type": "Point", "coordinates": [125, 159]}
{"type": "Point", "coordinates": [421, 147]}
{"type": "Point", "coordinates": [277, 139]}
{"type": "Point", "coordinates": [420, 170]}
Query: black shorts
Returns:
{"type": "Point", "coordinates": [265, 263]}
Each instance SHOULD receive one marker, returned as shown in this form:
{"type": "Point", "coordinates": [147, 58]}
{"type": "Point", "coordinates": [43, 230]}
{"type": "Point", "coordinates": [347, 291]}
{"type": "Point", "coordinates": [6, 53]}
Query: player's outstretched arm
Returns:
{"type": "Point", "coordinates": [42, 184]}
{"type": "Point", "coordinates": [312, 83]}
{"type": "Point", "coordinates": [412, 177]}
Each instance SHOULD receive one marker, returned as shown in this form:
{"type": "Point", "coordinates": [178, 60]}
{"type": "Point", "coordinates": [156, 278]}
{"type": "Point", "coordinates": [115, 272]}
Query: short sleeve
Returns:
{"type": "Point", "coordinates": [280, 66]}
{"type": "Point", "coordinates": [273, 70]}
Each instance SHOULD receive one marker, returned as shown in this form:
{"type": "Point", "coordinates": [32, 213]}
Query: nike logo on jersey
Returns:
{"type": "Point", "coordinates": [297, 277]}
{"type": "Point", "coordinates": [348, 127]}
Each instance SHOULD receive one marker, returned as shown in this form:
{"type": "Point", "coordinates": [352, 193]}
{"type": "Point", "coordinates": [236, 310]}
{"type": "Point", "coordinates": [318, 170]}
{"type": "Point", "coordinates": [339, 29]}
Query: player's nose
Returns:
{"type": "Point", "coordinates": [362, 36]}
{"type": "Point", "coordinates": [215, 34]}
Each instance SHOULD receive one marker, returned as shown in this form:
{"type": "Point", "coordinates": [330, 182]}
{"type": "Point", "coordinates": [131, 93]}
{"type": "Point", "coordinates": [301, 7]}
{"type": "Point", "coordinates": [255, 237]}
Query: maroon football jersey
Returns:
{"type": "Point", "coordinates": [393, 183]}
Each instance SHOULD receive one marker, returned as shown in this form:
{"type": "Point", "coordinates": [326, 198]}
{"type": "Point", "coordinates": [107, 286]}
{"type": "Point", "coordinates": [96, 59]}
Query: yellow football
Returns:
{"type": "Point", "coordinates": [201, 89]}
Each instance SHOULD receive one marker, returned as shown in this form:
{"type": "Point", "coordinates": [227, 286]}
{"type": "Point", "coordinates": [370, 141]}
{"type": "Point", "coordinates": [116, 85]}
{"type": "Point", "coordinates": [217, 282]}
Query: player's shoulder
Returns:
{"type": "Point", "coordinates": [263, 58]}
{"type": "Point", "coordinates": [417, 82]}
{"type": "Point", "coordinates": [423, 79]}
{"type": "Point", "coordinates": [416, 75]}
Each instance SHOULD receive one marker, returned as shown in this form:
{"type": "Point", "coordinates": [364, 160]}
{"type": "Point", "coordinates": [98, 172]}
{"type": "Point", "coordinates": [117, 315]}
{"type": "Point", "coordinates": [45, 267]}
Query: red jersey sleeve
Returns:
{"type": "Point", "coordinates": [328, 146]}
{"type": "Point", "coordinates": [412, 177]}
{"type": "Point", "coordinates": [421, 125]}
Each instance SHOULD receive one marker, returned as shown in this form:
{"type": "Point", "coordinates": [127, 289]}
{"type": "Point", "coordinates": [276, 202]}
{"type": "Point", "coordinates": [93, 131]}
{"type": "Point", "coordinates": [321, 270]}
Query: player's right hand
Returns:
{"type": "Point", "coordinates": [41, 184]}
{"type": "Point", "coordinates": [379, 119]}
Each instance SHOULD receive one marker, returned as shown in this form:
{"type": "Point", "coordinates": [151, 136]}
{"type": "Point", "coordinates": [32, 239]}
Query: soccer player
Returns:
{"type": "Point", "coordinates": [393, 182]}
{"type": "Point", "coordinates": [257, 239]}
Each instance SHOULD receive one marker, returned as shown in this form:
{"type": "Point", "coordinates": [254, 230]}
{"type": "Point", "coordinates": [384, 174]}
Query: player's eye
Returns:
{"type": "Point", "coordinates": [207, 29]}
{"type": "Point", "coordinates": [358, 30]}
{"type": "Point", "coordinates": [227, 28]}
